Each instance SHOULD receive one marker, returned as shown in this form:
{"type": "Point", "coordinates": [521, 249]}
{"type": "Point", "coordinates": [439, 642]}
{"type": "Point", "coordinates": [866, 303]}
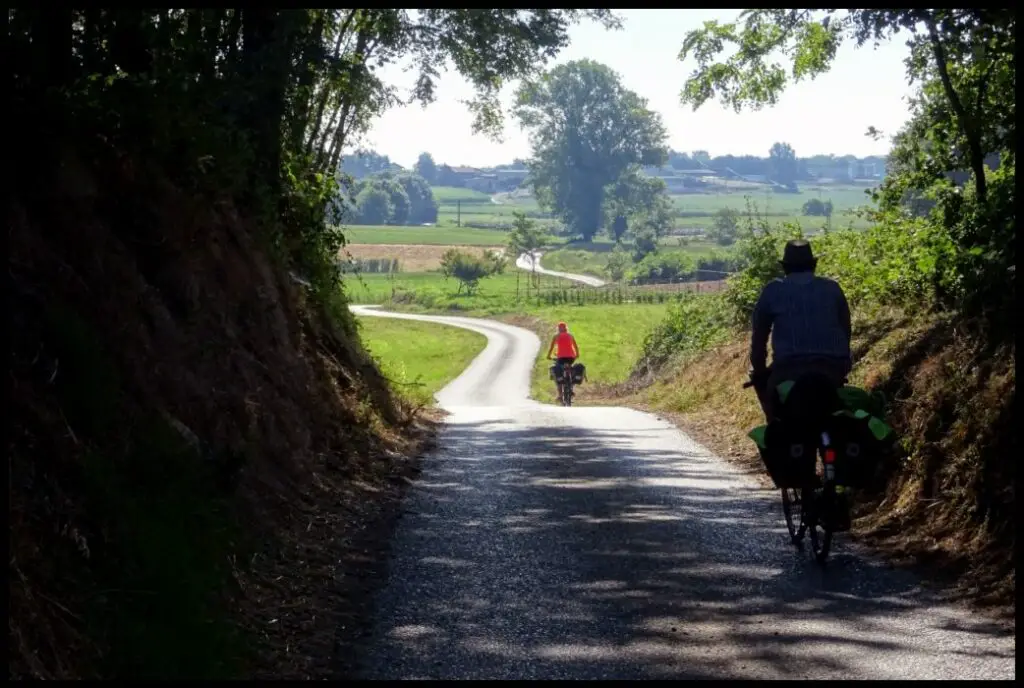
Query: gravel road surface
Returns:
{"type": "Point", "coordinates": [589, 543]}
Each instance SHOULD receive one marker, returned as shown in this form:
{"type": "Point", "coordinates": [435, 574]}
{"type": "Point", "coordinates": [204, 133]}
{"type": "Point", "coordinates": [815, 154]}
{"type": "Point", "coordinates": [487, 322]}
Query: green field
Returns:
{"type": "Point", "coordinates": [467, 217]}
{"type": "Point", "coordinates": [843, 198]}
{"type": "Point", "coordinates": [419, 358]}
{"type": "Point", "coordinates": [431, 291]}
{"type": "Point", "coordinates": [445, 195]}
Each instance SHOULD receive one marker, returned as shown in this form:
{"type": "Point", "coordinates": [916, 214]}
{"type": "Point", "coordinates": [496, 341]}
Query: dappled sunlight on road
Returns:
{"type": "Point", "coordinates": [589, 543]}
{"type": "Point", "coordinates": [596, 552]}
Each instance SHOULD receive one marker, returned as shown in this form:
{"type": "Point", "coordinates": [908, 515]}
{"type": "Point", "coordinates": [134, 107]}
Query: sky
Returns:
{"type": "Point", "coordinates": [865, 87]}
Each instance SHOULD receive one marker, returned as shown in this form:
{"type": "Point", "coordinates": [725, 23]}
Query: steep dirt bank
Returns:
{"type": "Point", "coordinates": [199, 448]}
{"type": "Point", "coordinates": [945, 502]}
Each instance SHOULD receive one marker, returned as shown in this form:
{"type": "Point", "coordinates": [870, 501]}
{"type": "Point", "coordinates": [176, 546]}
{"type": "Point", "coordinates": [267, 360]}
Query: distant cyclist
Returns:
{"type": "Point", "coordinates": [564, 344]}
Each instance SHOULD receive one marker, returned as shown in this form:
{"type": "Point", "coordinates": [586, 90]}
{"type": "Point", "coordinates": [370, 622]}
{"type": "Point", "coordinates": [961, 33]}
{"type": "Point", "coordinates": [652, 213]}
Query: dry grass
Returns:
{"type": "Point", "coordinates": [411, 257]}
{"type": "Point", "coordinates": [946, 507]}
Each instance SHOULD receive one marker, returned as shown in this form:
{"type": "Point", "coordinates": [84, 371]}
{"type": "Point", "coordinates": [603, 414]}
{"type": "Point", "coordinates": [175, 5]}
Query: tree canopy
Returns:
{"type": "Point", "coordinates": [393, 199]}
{"type": "Point", "coordinates": [426, 168]}
{"type": "Point", "coordinates": [257, 104]}
{"type": "Point", "coordinates": [964, 114]}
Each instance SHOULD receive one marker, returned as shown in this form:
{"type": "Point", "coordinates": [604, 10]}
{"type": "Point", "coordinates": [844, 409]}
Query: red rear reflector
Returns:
{"type": "Point", "coordinates": [830, 456]}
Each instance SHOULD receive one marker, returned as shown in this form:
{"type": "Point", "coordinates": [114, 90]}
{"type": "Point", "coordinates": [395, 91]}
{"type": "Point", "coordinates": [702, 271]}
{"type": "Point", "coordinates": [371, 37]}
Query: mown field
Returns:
{"type": "Point", "coordinates": [419, 358]}
{"type": "Point", "coordinates": [507, 293]}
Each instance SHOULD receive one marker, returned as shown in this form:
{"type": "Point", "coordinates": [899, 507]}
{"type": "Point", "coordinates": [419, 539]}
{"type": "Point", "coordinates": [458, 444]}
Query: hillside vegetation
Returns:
{"type": "Point", "coordinates": [203, 458]}
{"type": "Point", "coordinates": [932, 288]}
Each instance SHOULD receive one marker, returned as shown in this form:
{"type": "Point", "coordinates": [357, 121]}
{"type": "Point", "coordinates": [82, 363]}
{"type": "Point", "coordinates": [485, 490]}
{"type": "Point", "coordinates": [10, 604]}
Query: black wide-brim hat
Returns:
{"type": "Point", "coordinates": [798, 254]}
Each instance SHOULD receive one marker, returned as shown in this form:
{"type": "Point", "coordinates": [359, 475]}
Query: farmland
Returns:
{"type": "Point", "coordinates": [506, 293]}
{"type": "Point", "coordinates": [411, 258]}
{"type": "Point", "coordinates": [435, 236]}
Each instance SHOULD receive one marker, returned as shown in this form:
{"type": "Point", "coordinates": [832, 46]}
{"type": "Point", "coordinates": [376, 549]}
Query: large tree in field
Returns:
{"type": "Point", "coordinates": [587, 130]}
{"type": "Point", "coordinates": [782, 165]}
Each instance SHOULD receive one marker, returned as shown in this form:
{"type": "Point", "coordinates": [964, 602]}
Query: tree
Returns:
{"type": "Point", "coordinates": [701, 157]}
{"type": "Point", "coordinates": [366, 163]}
{"type": "Point", "coordinates": [400, 203]}
{"type": "Point", "coordinates": [422, 204]}
{"type": "Point", "coordinates": [963, 60]}
{"type": "Point", "coordinates": [426, 168]}
{"type": "Point", "coordinates": [680, 161]}
{"type": "Point", "coordinates": [638, 198]}
{"type": "Point", "coordinates": [241, 115]}
{"type": "Point", "coordinates": [619, 262]}
{"type": "Point", "coordinates": [726, 227]}
{"type": "Point", "coordinates": [782, 165]}
{"type": "Point", "coordinates": [586, 130]}
{"type": "Point", "coordinates": [527, 238]}
{"type": "Point", "coordinates": [816, 208]}
{"type": "Point", "coordinates": [966, 50]}
{"type": "Point", "coordinates": [374, 205]}
{"type": "Point", "coordinates": [469, 269]}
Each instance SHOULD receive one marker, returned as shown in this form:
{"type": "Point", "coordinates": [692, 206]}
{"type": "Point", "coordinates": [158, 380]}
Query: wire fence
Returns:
{"type": "Point", "coordinates": [537, 289]}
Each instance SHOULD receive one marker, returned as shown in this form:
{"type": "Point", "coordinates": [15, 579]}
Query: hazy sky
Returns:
{"type": "Point", "coordinates": [828, 115]}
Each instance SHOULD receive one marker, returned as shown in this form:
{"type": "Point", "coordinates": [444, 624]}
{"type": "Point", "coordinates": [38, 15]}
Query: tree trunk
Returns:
{"type": "Point", "coordinates": [967, 121]}
{"type": "Point", "coordinates": [311, 52]}
{"type": "Point", "coordinates": [327, 91]}
{"type": "Point", "coordinates": [268, 37]}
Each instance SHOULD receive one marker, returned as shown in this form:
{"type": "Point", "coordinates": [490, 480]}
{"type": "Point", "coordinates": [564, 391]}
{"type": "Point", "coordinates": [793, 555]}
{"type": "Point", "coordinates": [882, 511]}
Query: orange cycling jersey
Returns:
{"type": "Point", "coordinates": [565, 345]}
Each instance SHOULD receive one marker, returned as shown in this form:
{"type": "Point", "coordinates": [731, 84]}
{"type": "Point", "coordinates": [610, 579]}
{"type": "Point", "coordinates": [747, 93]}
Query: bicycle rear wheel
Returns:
{"type": "Point", "coordinates": [792, 509]}
{"type": "Point", "coordinates": [567, 391]}
{"type": "Point", "coordinates": [820, 523]}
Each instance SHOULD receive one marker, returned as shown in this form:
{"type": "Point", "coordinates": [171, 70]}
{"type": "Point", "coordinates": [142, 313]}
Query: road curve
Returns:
{"type": "Point", "coordinates": [526, 262]}
{"type": "Point", "coordinates": [542, 542]}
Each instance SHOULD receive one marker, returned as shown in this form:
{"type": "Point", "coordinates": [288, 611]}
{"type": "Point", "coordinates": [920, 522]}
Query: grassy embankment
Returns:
{"type": "Point", "coordinates": [944, 500]}
{"type": "Point", "coordinates": [419, 358]}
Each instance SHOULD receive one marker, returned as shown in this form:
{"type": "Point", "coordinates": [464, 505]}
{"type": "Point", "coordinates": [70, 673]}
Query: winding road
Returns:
{"type": "Point", "coordinates": [526, 261]}
{"type": "Point", "coordinates": [542, 542]}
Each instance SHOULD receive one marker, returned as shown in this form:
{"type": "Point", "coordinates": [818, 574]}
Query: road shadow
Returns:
{"type": "Point", "coordinates": [567, 552]}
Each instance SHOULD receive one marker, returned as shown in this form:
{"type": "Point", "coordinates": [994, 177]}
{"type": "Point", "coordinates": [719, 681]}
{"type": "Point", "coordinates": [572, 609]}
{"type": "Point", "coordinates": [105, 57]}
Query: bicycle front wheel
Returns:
{"type": "Point", "coordinates": [792, 509]}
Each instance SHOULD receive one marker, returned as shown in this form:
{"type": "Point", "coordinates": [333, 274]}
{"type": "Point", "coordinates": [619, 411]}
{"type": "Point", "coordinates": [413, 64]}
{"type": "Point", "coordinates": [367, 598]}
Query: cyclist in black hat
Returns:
{"type": "Point", "coordinates": [808, 318]}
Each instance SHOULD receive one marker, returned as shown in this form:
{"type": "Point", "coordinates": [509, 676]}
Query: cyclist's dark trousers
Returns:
{"type": "Point", "coordinates": [559, 362]}
{"type": "Point", "coordinates": [835, 369]}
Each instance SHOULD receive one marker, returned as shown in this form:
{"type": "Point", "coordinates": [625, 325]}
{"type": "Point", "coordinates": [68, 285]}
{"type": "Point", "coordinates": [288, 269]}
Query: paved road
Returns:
{"type": "Point", "coordinates": [525, 262]}
{"type": "Point", "coordinates": [587, 543]}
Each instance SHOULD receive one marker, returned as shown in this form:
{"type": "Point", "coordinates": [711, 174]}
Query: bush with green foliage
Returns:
{"type": "Point", "coordinates": [469, 269]}
{"type": "Point", "coordinates": [815, 207]}
{"type": "Point", "coordinates": [725, 228]}
{"type": "Point", "coordinates": [695, 323]}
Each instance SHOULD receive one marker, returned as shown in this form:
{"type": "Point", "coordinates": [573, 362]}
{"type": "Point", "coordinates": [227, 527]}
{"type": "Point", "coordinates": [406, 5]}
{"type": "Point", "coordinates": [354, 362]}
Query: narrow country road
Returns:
{"type": "Point", "coordinates": [601, 543]}
{"type": "Point", "coordinates": [526, 262]}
